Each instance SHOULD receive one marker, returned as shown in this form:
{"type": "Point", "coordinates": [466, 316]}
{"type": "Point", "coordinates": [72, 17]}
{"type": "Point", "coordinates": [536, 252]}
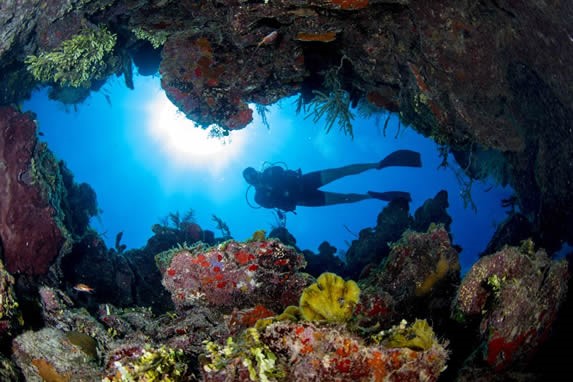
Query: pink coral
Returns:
{"type": "Point", "coordinates": [236, 275]}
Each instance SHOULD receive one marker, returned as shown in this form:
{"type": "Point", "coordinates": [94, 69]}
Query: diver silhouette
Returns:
{"type": "Point", "coordinates": [283, 189]}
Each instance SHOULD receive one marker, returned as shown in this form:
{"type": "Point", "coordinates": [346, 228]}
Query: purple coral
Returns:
{"type": "Point", "coordinates": [31, 231]}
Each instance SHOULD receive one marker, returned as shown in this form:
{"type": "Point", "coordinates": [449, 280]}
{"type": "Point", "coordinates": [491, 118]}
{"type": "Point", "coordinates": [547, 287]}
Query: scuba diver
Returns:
{"type": "Point", "coordinates": [283, 189]}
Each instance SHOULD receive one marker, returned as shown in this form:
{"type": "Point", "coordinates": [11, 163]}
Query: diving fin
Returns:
{"type": "Point", "coordinates": [390, 195]}
{"type": "Point", "coordinates": [404, 158]}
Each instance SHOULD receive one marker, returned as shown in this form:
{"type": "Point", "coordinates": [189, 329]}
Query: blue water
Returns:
{"type": "Point", "coordinates": [137, 154]}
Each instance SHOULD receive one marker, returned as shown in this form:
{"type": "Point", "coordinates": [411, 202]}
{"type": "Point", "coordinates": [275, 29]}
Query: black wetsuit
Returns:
{"type": "Point", "coordinates": [285, 189]}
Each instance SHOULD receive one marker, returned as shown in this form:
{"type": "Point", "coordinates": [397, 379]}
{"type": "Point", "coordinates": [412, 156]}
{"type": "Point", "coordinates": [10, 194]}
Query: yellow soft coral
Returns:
{"type": "Point", "coordinates": [330, 299]}
{"type": "Point", "coordinates": [419, 336]}
{"type": "Point", "coordinates": [442, 269]}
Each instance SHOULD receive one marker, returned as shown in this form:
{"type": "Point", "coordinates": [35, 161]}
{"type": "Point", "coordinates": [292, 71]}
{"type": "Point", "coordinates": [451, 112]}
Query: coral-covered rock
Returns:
{"type": "Point", "coordinates": [147, 363]}
{"type": "Point", "coordinates": [372, 244]}
{"type": "Point", "coordinates": [9, 313]}
{"type": "Point", "coordinates": [516, 295]}
{"type": "Point", "coordinates": [59, 312]}
{"type": "Point", "coordinates": [325, 261]}
{"type": "Point", "coordinates": [32, 230]}
{"type": "Point", "coordinates": [465, 76]}
{"type": "Point", "coordinates": [376, 308]}
{"type": "Point", "coordinates": [133, 328]}
{"type": "Point", "coordinates": [234, 275]}
{"type": "Point", "coordinates": [212, 74]}
{"type": "Point", "coordinates": [512, 231]}
{"type": "Point", "coordinates": [433, 211]}
{"type": "Point", "coordinates": [307, 352]}
{"type": "Point", "coordinates": [420, 274]}
{"type": "Point", "coordinates": [8, 370]}
{"type": "Point", "coordinates": [420, 262]}
{"type": "Point", "coordinates": [52, 355]}
{"type": "Point", "coordinates": [193, 73]}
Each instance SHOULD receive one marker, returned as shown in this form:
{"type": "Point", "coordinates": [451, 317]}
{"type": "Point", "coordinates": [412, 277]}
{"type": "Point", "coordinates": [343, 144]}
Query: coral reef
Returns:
{"type": "Point", "coordinates": [148, 364]}
{"type": "Point", "coordinates": [125, 278]}
{"type": "Point", "coordinates": [473, 76]}
{"type": "Point", "coordinates": [465, 75]}
{"type": "Point", "coordinates": [10, 315]}
{"type": "Point", "coordinates": [233, 275]}
{"type": "Point", "coordinates": [304, 351]}
{"type": "Point", "coordinates": [49, 355]}
{"type": "Point", "coordinates": [33, 232]}
{"type": "Point", "coordinates": [59, 312]}
{"type": "Point", "coordinates": [515, 294]}
{"type": "Point", "coordinates": [77, 62]}
{"type": "Point", "coordinates": [237, 335]}
{"type": "Point", "coordinates": [420, 275]}
{"type": "Point", "coordinates": [373, 244]}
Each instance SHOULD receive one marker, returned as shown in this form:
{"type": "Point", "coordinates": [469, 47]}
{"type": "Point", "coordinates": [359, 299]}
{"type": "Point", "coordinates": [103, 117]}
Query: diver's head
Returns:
{"type": "Point", "coordinates": [251, 175]}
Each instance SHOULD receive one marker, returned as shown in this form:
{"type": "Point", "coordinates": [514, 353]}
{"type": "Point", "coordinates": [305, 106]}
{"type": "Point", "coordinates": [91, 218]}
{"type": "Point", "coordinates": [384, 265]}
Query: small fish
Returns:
{"type": "Point", "coordinates": [268, 39]}
{"type": "Point", "coordinates": [83, 288]}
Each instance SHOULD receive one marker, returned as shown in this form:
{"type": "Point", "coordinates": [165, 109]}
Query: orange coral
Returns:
{"type": "Point", "coordinates": [48, 372]}
{"type": "Point", "coordinates": [378, 366]}
{"type": "Point", "coordinates": [316, 37]}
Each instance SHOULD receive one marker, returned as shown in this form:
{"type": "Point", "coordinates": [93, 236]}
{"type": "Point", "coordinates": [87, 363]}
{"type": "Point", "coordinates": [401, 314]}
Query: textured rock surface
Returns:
{"type": "Point", "coordinates": [374, 244]}
{"type": "Point", "coordinates": [234, 275]}
{"type": "Point", "coordinates": [31, 228]}
{"type": "Point", "coordinates": [516, 294]}
{"type": "Point", "coordinates": [309, 352]}
{"type": "Point", "coordinates": [49, 355]}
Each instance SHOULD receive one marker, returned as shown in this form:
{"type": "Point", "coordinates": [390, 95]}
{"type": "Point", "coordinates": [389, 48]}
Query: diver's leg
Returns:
{"type": "Point", "coordinates": [317, 198]}
{"type": "Point", "coordinates": [322, 177]}
{"type": "Point", "coordinates": [331, 198]}
{"type": "Point", "coordinates": [403, 158]}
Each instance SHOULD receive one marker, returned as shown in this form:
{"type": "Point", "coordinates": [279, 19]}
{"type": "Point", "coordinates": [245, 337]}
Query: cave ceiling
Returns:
{"type": "Point", "coordinates": [478, 77]}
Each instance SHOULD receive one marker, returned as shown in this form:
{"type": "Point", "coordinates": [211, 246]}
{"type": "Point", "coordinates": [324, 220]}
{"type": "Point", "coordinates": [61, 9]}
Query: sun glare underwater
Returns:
{"type": "Point", "coordinates": [145, 160]}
